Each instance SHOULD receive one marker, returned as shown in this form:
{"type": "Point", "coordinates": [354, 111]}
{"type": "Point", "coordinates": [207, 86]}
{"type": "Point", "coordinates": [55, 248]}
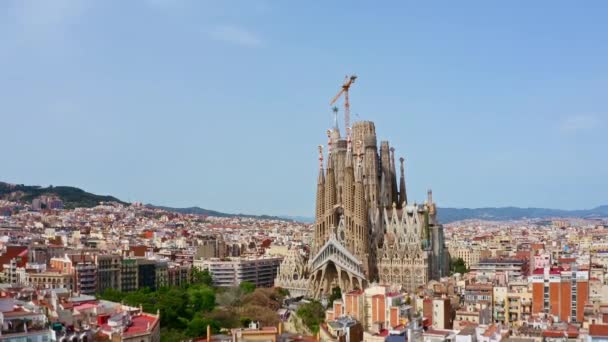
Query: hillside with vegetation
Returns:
{"type": "Point", "coordinates": [72, 197]}
{"type": "Point", "coordinates": [208, 212]}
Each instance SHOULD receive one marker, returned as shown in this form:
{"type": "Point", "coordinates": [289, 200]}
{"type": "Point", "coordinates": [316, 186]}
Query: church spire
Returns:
{"type": "Point", "coordinates": [432, 208]}
{"type": "Point", "coordinates": [349, 190]}
{"type": "Point", "coordinates": [386, 191]}
{"type": "Point", "coordinates": [385, 201]}
{"type": "Point", "coordinates": [402, 190]}
{"type": "Point", "coordinates": [349, 180]}
{"type": "Point", "coordinates": [320, 203]}
{"type": "Point", "coordinates": [321, 178]}
{"type": "Point", "coordinates": [329, 142]}
{"type": "Point", "coordinates": [360, 209]}
{"type": "Point", "coordinates": [393, 179]}
{"type": "Point", "coordinates": [349, 152]}
{"type": "Point", "coordinates": [330, 186]}
{"type": "Point", "coordinates": [358, 167]}
{"type": "Point", "coordinates": [335, 111]}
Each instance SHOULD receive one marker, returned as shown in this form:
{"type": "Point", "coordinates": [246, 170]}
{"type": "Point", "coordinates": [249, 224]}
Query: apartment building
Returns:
{"type": "Point", "coordinates": [82, 268]}
{"type": "Point", "coordinates": [442, 313]}
{"type": "Point", "coordinates": [178, 275]}
{"type": "Point", "coordinates": [490, 268]}
{"type": "Point", "coordinates": [162, 274]}
{"type": "Point", "coordinates": [108, 271]}
{"type": "Point", "coordinates": [559, 292]}
{"type": "Point", "coordinates": [470, 253]}
{"type": "Point", "coordinates": [146, 274]}
{"type": "Point", "coordinates": [128, 275]}
{"type": "Point", "coordinates": [232, 271]}
{"type": "Point", "coordinates": [85, 273]}
{"type": "Point", "coordinates": [17, 324]}
{"type": "Point", "coordinates": [211, 247]}
{"type": "Point", "coordinates": [51, 279]}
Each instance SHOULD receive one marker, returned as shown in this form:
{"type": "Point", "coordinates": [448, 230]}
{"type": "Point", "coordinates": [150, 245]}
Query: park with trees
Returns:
{"type": "Point", "coordinates": [186, 311]}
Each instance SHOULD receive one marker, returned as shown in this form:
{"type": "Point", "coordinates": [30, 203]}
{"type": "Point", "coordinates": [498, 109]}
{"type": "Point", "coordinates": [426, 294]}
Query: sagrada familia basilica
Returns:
{"type": "Point", "coordinates": [366, 231]}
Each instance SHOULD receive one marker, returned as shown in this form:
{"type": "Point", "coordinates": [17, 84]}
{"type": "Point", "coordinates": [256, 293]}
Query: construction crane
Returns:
{"type": "Point", "coordinates": [348, 81]}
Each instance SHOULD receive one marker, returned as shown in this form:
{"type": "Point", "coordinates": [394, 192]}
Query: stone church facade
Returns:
{"type": "Point", "coordinates": [365, 228]}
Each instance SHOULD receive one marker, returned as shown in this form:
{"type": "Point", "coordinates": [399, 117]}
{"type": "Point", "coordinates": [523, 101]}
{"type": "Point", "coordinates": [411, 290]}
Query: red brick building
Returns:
{"type": "Point", "coordinates": [560, 292]}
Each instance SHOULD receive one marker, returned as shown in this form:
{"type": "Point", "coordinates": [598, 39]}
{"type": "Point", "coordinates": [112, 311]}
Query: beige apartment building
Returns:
{"type": "Point", "coordinates": [470, 254]}
{"type": "Point", "coordinates": [51, 280]}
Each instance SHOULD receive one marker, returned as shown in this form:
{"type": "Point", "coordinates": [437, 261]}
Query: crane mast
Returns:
{"type": "Point", "coordinates": [348, 81]}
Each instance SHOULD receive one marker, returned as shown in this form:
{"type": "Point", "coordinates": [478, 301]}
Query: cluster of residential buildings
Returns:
{"type": "Point", "coordinates": [528, 280]}
{"type": "Point", "coordinates": [80, 253]}
{"type": "Point", "coordinates": [525, 281]}
{"type": "Point", "coordinates": [40, 315]}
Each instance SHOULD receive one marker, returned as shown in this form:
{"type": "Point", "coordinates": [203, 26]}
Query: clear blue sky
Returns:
{"type": "Point", "coordinates": [221, 104]}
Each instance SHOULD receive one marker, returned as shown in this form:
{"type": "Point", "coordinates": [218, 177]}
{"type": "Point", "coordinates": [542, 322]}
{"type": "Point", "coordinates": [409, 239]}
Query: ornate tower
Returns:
{"type": "Point", "coordinates": [330, 199]}
{"type": "Point", "coordinates": [320, 205]}
{"type": "Point", "coordinates": [387, 186]}
{"type": "Point", "coordinates": [365, 229]}
{"type": "Point", "coordinates": [395, 193]}
{"type": "Point", "coordinates": [402, 191]}
{"type": "Point", "coordinates": [360, 221]}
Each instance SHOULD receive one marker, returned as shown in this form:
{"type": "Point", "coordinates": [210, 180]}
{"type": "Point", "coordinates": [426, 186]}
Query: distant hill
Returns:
{"type": "Point", "coordinates": [447, 215]}
{"type": "Point", "coordinates": [72, 197]}
{"type": "Point", "coordinates": [303, 219]}
{"type": "Point", "coordinates": [207, 212]}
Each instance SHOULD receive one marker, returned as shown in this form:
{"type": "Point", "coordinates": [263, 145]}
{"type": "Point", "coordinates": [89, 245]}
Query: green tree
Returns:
{"type": "Point", "coordinates": [457, 265]}
{"type": "Point", "coordinates": [111, 295]}
{"type": "Point", "coordinates": [172, 335]}
{"type": "Point", "coordinates": [283, 292]}
{"type": "Point", "coordinates": [225, 318]}
{"type": "Point", "coordinates": [201, 298]}
{"type": "Point", "coordinates": [198, 326]}
{"type": "Point", "coordinates": [245, 321]}
{"type": "Point", "coordinates": [336, 293]}
{"type": "Point", "coordinates": [187, 310]}
{"type": "Point", "coordinates": [202, 277]}
{"type": "Point", "coordinates": [247, 287]}
{"type": "Point", "coordinates": [172, 303]}
{"type": "Point", "coordinates": [312, 314]}
{"type": "Point", "coordinates": [144, 297]}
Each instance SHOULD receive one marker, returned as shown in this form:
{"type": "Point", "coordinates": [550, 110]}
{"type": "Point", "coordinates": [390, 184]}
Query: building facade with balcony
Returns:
{"type": "Point", "coordinates": [128, 275]}
{"type": "Point", "coordinates": [51, 280]}
{"type": "Point", "coordinates": [232, 271]}
{"type": "Point", "coordinates": [108, 272]}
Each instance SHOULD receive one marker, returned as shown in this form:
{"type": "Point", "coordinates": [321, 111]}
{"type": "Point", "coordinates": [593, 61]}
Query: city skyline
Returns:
{"type": "Point", "coordinates": [191, 104]}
